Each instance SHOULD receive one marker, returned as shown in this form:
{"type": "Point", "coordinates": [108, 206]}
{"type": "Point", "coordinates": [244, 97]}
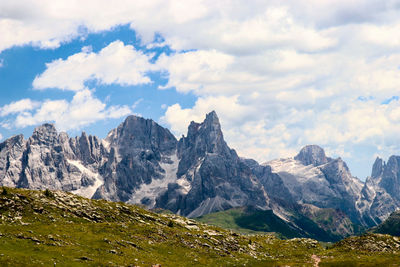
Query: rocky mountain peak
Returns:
{"type": "Point", "coordinates": [212, 120]}
{"type": "Point", "coordinates": [45, 134]}
{"type": "Point", "coordinates": [206, 137]}
{"type": "Point", "coordinates": [12, 141]}
{"type": "Point", "coordinates": [312, 154]}
{"type": "Point", "coordinates": [139, 133]}
{"type": "Point", "coordinates": [390, 180]}
{"type": "Point", "coordinates": [377, 168]}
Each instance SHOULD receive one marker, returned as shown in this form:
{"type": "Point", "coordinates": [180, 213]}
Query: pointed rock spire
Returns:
{"type": "Point", "coordinates": [205, 137]}
{"type": "Point", "coordinates": [377, 168]}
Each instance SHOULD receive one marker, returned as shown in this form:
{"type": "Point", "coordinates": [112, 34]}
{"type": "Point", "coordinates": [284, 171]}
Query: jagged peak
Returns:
{"type": "Point", "coordinates": [212, 116]}
{"type": "Point", "coordinates": [46, 127]}
{"type": "Point", "coordinates": [140, 133]}
{"type": "Point", "coordinates": [312, 154]}
{"type": "Point", "coordinates": [45, 134]}
{"type": "Point", "coordinates": [9, 142]}
{"type": "Point", "coordinates": [133, 118]}
{"type": "Point", "coordinates": [212, 119]}
{"type": "Point", "coordinates": [206, 136]}
{"type": "Point", "coordinates": [377, 168]}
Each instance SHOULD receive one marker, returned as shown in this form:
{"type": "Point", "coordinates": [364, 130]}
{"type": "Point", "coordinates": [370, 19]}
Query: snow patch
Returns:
{"type": "Point", "coordinates": [89, 191]}
{"type": "Point", "coordinates": [296, 168]}
{"type": "Point", "coordinates": [152, 190]}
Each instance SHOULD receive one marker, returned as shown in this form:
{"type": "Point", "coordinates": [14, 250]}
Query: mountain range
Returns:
{"type": "Point", "coordinates": [141, 162]}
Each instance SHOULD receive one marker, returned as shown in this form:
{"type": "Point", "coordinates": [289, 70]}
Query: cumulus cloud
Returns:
{"type": "Point", "coordinates": [227, 27]}
{"type": "Point", "coordinates": [280, 74]}
{"type": "Point", "coordinates": [18, 106]}
{"type": "Point", "coordinates": [116, 63]}
{"type": "Point", "coordinates": [84, 109]}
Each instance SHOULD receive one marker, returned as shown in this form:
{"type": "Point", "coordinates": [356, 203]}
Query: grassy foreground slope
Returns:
{"type": "Point", "coordinates": [44, 228]}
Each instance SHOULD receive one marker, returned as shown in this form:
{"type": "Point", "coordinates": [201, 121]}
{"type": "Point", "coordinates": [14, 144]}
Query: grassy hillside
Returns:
{"type": "Point", "coordinates": [248, 220]}
{"type": "Point", "coordinates": [45, 228]}
{"type": "Point", "coordinates": [390, 226]}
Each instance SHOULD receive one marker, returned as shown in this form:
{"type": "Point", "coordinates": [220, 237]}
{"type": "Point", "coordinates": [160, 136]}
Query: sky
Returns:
{"type": "Point", "coordinates": [279, 74]}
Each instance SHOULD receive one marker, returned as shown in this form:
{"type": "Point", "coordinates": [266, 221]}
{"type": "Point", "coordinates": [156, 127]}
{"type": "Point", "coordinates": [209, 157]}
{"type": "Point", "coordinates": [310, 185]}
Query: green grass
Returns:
{"type": "Point", "coordinates": [61, 229]}
{"type": "Point", "coordinates": [249, 221]}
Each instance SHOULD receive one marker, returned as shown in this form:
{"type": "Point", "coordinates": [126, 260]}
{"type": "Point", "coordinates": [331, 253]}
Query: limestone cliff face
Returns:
{"type": "Point", "coordinates": [137, 150]}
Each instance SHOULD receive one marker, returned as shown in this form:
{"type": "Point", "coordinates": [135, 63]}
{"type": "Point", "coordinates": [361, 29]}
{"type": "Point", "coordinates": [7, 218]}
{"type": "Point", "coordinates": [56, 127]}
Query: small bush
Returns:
{"type": "Point", "coordinates": [5, 192]}
{"type": "Point", "coordinates": [48, 193]}
{"type": "Point", "coordinates": [170, 224]}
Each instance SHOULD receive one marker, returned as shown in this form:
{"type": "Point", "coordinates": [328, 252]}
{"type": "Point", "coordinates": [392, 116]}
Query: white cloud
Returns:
{"type": "Point", "coordinates": [280, 74]}
{"type": "Point", "coordinates": [84, 109]}
{"type": "Point", "coordinates": [1, 137]}
{"type": "Point", "coordinates": [116, 63]}
{"type": "Point", "coordinates": [225, 26]}
{"type": "Point", "coordinates": [18, 106]}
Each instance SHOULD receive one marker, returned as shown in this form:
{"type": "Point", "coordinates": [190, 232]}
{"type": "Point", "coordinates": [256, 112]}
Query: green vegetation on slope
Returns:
{"type": "Point", "coordinates": [247, 220]}
{"type": "Point", "coordinates": [250, 220]}
{"type": "Point", "coordinates": [390, 226]}
{"type": "Point", "coordinates": [57, 228]}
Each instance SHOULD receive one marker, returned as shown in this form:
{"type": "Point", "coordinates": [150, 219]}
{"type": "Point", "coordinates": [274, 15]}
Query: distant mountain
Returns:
{"type": "Point", "coordinates": [141, 162]}
{"type": "Point", "coordinates": [381, 191]}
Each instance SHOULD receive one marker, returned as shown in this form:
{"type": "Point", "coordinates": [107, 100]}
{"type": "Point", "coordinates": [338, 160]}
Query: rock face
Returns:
{"type": "Point", "coordinates": [312, 154]}
{"type": "Point", "coordinates": [311, 178]}
{"type": "Point", "coordinates": [381, 192]}
{"type": "Point", "coordinates": [138, 148]}
{"type": "Point", "coordinates": [51, 160]}
{"type": "Point", "coordinates": [211, 177]}
{"type": "Point", "coordinates": [142, 162]}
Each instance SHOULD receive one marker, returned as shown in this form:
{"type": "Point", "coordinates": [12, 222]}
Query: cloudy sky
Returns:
{"type": "Point", "coordinates": [279, 74]}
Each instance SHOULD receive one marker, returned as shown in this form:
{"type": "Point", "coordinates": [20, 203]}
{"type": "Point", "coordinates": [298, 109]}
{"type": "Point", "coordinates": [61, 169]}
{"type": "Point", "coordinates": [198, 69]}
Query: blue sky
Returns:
{"type": "Point", "coordinates": [280, 75]}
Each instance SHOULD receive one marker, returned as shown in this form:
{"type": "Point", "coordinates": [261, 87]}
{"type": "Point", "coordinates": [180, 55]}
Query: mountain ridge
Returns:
{"type": "Point", "coordinates": [141, 162]}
